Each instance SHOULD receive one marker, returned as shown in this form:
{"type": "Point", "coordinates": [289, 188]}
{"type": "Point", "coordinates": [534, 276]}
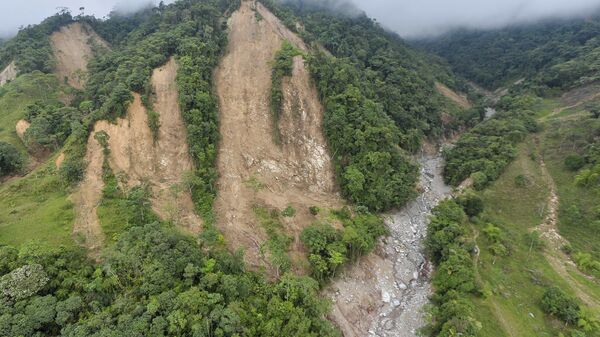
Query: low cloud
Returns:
{"type": "Point", "coordinates": [412, 18]}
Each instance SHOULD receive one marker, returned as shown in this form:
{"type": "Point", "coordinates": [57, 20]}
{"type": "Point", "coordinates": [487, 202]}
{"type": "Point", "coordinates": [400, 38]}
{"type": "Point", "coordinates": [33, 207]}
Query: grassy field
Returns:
{"type": "Point", "coordinates": [515, 283]}
{"type": "Point", "coordinates": [578, 217]}
{"type": "Point", "coordinates": [36, 208]}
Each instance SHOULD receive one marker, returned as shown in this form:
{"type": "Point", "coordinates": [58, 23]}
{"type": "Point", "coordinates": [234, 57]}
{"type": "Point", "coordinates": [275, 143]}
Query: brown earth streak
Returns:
{"type": "Point", "coordinates": [86, 199]}
{"type": "Point", "coordinates": [59, 160]}
{"type": "Point", "coordinates": [460, 100]}
{"type": "Point", "coordinates": [72, 50]}
{"type": "Point", "coordinates": [21, 128]}
{"type": "Point", "coordinates": [8, 74]}
{"type": "Point", "coordinates": [136, 158]}
{"type": "Point", "coordinates": [254, 170]}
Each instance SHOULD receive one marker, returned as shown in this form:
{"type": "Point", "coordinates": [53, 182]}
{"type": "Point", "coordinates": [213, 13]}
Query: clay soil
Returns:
{"type": "Point", "coordinates": [255, 170]}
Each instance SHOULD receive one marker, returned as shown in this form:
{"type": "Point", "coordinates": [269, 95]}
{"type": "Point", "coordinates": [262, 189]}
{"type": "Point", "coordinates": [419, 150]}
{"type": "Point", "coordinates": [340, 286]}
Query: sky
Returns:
{"type": "Point", "coordinates": [16, 13]}
{"type": "Point", "coordinates": [409, 18]}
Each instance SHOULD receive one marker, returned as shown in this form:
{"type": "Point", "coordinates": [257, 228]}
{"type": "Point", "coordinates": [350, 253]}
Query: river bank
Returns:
{"type": "Point", "coordinates": [384, 294]}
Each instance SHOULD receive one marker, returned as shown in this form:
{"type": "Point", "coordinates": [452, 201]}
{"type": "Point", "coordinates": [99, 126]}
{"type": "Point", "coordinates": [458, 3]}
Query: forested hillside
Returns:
{"type": "Point", "coordinates": [554, 54]}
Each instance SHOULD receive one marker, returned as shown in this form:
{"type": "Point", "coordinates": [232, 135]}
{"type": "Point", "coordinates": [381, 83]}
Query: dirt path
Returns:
{"type": "Point", "coordinates": [8, 74]}
{"type": "Point", "coordinates": [575, 98]}
{"type": "Point", "coordinates": [560, 262]}
{"type": "Point", "coordinates": [253, 169]}
{"type": "Point", "coordinates": [72, 50]}
{"type": "Point", "coordinates": [138, 159]}
{"type": "Point", "coordinates": [384, 294]}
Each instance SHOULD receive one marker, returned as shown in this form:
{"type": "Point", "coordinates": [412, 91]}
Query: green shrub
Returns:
{"type": "Point", "coordinates": [534, 240]}
{"type": "Point", "coordinates": [480, 180]}
{"type": "Point", "coordinates": [329, 248]}
{"type": "Point", "coordinates": [557, 303]}
{"type": "Point", "coordinates": [574, 162]}
{"type": "Point", "coordinates": [447, 245]}
{"type": "Point", "coordinates": [51, 125]}
{"type": "Point", "coordinates": [289, 212]}
{"type": "Point", "coordinates": [472, 203]}
{"type": "Point", "coordinates": [314, 210]}
{"type": "Point", "coordinates": [11, 160]}
{"type": "Point", "coordinates": [282, 67]}
{"type": "Point", "coordinates": [522, 181]}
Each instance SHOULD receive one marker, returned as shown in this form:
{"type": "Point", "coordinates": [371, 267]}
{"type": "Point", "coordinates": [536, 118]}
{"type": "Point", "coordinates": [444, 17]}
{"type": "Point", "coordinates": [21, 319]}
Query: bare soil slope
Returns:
{"type": "Point", "coordinates": [460, 100]}
{"type": "Point", "coordinates": [253, 169]}
{"type": "Point", "coordinates": [72, 50]}
{"type": "Point", "coordinates": [86, 198]}
{"type": "Point", "coordinates": [21, 128]}
{"type": "Point", "coordinates": [8, 74]}
{"type": "Point", "coordinates": [139, 159]}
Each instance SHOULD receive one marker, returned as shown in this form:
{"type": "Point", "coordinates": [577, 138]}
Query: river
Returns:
{"type": "Point", "coordinates": [384, 294]}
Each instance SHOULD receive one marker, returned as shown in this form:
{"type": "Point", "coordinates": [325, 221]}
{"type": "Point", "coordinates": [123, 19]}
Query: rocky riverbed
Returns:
{"type": "Point", "coordinates": [384, 294]}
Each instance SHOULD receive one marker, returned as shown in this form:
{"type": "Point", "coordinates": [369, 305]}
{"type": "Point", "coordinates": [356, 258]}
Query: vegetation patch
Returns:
{"type": "Point", "coordinates": [330, 248]}
{"type": "Point", "coordinates": [36, 208]}
{"type": "Point", "coordinates": [484, 152]}
{"type": "Point", "coordinates": [278, 243]}
{"type": "Point", "coordinates": [450, 248]}
{"type": "Point", "coordinates": [283, 65]}
{"type": "Point", "coordinates": [152, 281]}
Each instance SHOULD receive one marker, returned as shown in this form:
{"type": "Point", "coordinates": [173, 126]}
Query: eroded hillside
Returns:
{"type": "Point", "coordinates": [8, 74]}
{"type": "Point", "coordinates": [137, 158]}
{"type": "Point", "coordinates": [72, 47]}
{"type": "Point", "coordinates": [255, 172]}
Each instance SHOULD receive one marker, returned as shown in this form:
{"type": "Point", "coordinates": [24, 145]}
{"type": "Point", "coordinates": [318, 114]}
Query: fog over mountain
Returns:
{"type": "Point", "coordinates": [14, 14]}
{"type": "Point", "coordinates": [407, 17]}
{"type": "Point", "coordinates": [421, 18]}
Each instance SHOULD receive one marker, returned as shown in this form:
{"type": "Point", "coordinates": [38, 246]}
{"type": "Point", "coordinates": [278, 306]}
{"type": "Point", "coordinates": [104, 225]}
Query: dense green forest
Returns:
{"type": "Point", "coordinates": [554, 54]}
{"type": "Point", "coordinates": [483, 152]}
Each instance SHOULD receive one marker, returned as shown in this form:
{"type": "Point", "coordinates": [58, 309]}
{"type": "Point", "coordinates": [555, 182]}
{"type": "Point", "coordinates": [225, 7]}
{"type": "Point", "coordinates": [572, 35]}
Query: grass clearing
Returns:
{"type": "Point", "coordinates": [514, 284]}
{"type": "Point", "coordinates": [578, 219]}
{"type": "Point", "coordinates": [37, 208]}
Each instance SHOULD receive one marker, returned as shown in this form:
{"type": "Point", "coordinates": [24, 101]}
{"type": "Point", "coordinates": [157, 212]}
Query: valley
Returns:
{"type": "Point", "coordinates": [269, 168]}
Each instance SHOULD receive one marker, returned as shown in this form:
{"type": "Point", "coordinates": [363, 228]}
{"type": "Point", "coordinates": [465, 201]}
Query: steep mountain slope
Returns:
{"type": "Point", "coordinates": [137, 158]}
{"type": "Point", "coordinates": [72, 47]}
{"type": "Point", "coordinates": [298, 172]}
